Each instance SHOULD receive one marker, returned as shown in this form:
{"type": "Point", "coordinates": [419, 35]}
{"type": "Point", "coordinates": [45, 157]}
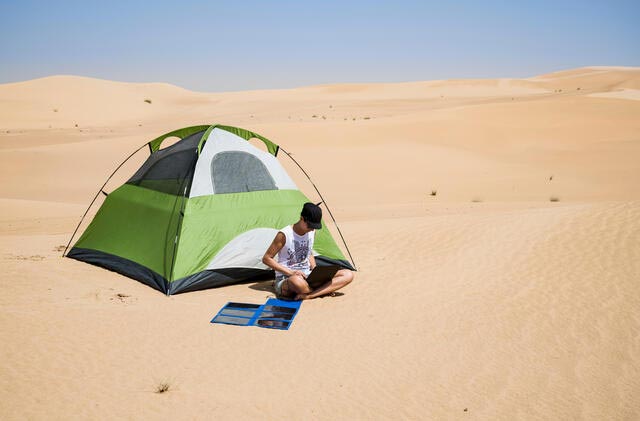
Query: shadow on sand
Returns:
{"type": "Point", "coordinates": [267, 286]}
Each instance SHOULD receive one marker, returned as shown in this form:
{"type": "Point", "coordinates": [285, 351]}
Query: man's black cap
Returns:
{"type": "Point", "coordinates": [312, 215]}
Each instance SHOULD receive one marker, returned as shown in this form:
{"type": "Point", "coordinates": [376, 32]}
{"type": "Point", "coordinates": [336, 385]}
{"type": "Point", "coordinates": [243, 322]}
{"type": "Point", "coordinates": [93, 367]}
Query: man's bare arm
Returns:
{"type": "Point", "coordinates": [312, 260]}
{"type": "Point", "coordinates": [268, 258]}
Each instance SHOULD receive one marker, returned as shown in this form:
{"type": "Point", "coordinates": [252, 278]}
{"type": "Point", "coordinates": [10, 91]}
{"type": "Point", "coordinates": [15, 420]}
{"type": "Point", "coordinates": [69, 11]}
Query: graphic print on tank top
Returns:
{"type": "Point", "coordinates": [297, 257]}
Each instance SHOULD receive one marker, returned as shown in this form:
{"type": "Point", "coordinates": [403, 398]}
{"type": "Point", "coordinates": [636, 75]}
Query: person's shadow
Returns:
{"type": "Point", "coordinates": [267, 286]}
{"type": "Point", "coordinates": [263, 285]}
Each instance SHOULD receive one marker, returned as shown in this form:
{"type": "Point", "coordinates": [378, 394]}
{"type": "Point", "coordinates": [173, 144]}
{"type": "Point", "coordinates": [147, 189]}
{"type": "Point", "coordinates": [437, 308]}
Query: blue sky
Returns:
{"type": "Point", "coordinates": [222, 46]}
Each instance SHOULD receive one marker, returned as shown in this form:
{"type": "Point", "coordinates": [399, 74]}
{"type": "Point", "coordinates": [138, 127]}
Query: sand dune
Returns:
{"type": "Point", "coordinates": [631, 94]}
{"type": "Point", "coordinates": [477, 295]}
{"type": "Point", "coordinates": [67, 101]}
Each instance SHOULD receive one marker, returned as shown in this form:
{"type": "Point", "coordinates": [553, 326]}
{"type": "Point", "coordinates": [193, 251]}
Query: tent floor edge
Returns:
{"type": "Point", "coordinates": [217, 278]}
{"type": "Point", "coordinates": [122, 266]}
{"type": "Point", "coordinates": [327, 261]}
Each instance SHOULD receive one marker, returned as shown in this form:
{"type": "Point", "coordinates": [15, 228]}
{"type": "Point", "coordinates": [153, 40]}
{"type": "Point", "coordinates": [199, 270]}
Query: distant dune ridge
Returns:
{"type": "Point", "coordinates": [495, 223]}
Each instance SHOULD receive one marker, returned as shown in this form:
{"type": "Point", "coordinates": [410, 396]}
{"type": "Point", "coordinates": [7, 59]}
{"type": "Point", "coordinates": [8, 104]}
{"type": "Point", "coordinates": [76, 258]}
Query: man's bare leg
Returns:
{"type": "Point", "coordinates": [295, 285]}
{"type": "Point", "coordinates": [341, 279]}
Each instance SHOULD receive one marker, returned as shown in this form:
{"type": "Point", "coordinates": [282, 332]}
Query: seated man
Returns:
{"type": "Point", "coordinates": [293, 245]}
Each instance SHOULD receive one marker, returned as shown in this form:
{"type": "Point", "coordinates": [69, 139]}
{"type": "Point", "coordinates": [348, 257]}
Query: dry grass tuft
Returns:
{"type": "Point", "coordinates": [163, 387]}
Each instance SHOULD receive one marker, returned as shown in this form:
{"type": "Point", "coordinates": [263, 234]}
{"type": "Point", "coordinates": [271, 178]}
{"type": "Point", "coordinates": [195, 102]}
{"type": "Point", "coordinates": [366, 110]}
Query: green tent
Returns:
{"type": "Point", "coordinates": [199, 213]}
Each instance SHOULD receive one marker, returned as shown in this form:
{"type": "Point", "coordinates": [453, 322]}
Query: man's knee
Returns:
{"type": "Point", "coordinates": [296, 279]}
{"type": "Point", "coordinates": [299, 284]}
{"type": "Point", "coordinates": [346, 275]}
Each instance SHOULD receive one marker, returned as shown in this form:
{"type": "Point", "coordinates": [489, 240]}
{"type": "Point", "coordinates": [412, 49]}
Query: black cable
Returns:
{"type": "Point", "coordinates": [325, 203]}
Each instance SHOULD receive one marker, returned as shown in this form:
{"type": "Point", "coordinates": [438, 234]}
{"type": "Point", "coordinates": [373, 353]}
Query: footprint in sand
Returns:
{"type": "Point", "coordinates": [34, 258]}
{"type": "Point", "coordinates": [123, 298]}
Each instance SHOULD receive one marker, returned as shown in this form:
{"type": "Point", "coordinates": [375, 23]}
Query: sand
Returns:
{"type": "Point", "coordinates": [495, 225]}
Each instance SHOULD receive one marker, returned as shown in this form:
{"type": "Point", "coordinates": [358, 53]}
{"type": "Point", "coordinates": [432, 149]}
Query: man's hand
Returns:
{"type": "Point", "coordinates": [299, 273]}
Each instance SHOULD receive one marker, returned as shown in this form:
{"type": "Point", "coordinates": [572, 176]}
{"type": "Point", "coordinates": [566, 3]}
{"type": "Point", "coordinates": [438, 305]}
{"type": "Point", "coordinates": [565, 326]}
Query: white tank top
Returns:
{"type": "Point", "coordinates": [297, 248]}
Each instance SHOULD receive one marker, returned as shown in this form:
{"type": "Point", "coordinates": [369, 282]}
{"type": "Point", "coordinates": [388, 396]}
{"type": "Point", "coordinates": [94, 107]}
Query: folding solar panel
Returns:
{"type": "Point", "coordinates": [274, 314]}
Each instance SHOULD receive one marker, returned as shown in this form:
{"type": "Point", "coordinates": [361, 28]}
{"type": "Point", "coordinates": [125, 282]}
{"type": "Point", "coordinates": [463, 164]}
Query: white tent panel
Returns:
{"type": "Point", "coordinates": [245, 251]}
{"type": "Point", "coordinates": [223, 141]}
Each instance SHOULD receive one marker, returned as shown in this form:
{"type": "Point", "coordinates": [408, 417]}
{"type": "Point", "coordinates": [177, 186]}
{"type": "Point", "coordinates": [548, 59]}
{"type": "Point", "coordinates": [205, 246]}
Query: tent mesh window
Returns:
{"type": "Point", "coordinates": [239, 172]}
{"type": "Point", "coordinates": [169, 170]}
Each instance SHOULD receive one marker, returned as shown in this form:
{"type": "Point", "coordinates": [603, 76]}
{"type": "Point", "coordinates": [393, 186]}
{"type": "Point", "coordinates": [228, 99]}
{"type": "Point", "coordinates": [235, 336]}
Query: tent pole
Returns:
{"type": "Point", "coordinates": [325, 203]}
{"type": "Point", "coordinates": [96, 196]}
